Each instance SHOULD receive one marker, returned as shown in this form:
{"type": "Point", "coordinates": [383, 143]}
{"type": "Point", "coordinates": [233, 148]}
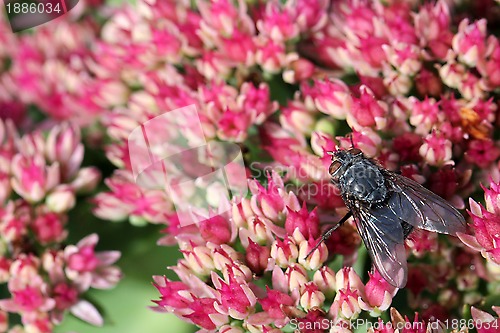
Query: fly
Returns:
{"type": "Point", "coordinates": [386, 208]}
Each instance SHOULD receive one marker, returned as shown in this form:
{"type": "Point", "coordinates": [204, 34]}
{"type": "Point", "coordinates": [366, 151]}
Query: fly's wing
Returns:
{"type": "Point", "coordinates": [422, 208]}
{"type": "Point", "coordinates": [382, 234]}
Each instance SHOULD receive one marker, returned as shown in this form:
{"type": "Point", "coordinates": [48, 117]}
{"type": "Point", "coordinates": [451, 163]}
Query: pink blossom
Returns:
{"type": "Point", "coordinates": [428, 83]}
{"type": "Point", "coordinates": [269, 200]}
{"type": "Point", "coordinates": [377, 295]}
{"type": "Point", "coordinates": [236, 298]}
{"type": "Point", "coordinates": [331, 97]}
{"type": "Point", "coordinates": [274, 301]}
{"type": "Point", "coordinates": [432, 25]}
{"type": "Point", "coordinates": [316, 259]}
{"type": "Point", "coordinates": [171, 293]}
{"type": "Point", "coordinates": [491, 69]}
{"type": "Point", "coordinates": [482, 152]}
{"type": "Point", "coordinates": [311, 297]}
{"type": "Point", "coordinates": [64, 146]}
{"type": "Point", "coordinates": [257, 257]}
{"type": "Point", "coordinates": [324, 278]}
{"type": "Point", "coordinates": [472, 86]}
{"type": "Point", "coordinates": [297, 118]}
{"type": "Point", "coordinates": [492, 197]}
{"type": "Point", "coordinates": [304, 222]}
{"type": "Point", "coordinates": [201, 309]}
{"type": "Point", "coordinates": [278, 23]}
{"type": "Point", "coordinates": [270, 55]}
{"type": "Point", "coordinates": [346, 305]}
{"type": "Point", "coordinates": [87, 268]}
{"type": "Point", "coordinates": [284, 252]}
{"type": "Point", "coordinates": [298, 69]}
{"type": "Point", "coordinates": [436, 150]}
{"type": "Point", "coordinates": [367, 111]}
{"type": "Point", "coordinates": [49, 227]}
{"type": "Point", "coordinates": [33, 178]}
{"type": "Point", "coordinates": [469, 42]}
{"type": "Point", "coordinates": [199, 259]}
{"type": "Point", "coordinates": [424, 114]}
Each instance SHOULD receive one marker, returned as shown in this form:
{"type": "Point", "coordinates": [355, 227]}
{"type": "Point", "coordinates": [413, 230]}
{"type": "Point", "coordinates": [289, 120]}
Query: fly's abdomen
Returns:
{"type": "Point", "coordinates": [364, 182]}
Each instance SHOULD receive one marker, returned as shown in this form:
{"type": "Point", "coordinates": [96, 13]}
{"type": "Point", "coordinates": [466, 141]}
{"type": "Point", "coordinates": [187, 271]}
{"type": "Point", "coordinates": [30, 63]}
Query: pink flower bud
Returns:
{"type": "Point", "coordinates": [452, 74]}
{"type": "Point", "coordinates": [346, 305]}
{"type": "Point", "coordinates": [492, 197]}
{"type": "Point", "coordinates": [367, 111]}
{"type": "Point", "coordinates": [311, 297]}
{"type": "Point", "coordinates": [470, 42]}
{"type": "Point", "coordinates": [86, 180]}
{"type": "Point", "coordinates": [64, 146]}
{"type": "Point", "coordinates": [303, 221]}
{"type": "Point", "coordinates": [299, 69]}
{"type": "Point", "coordinates": [200, 260]}
{"type": "Point", "coordinates": [297, 118]}
{"type": "Point", "coordinates": [487, 232]}
{"type": "Point", "coordinates": [215, 229]}
{"type": "Point", "coordinates": [268, 201]}
{"type": "Point", "coordinates": [378, 294]}
{"type": "Point", "coordinates": [436, 150]}
{"type": "Point", "coordinates": [270, 55]}
{"type": "Point", "coordinates": [273, 302]}
{"type": "Point", "coordinates": [284, 252]}
{"type": "Point", "coordinates": [296, 276]}
{"type": "Point", "coordinates": [172, 293]}
{"type": "Point", "coordinates": [236, 298]}
{"type": "Point", "coordinates": [223, 255]}
{"type": "Point", "coordinates": [64, 295]}
{"type": "Point", "coordinates": [348, 278]}
{"type": "Point", "coordinates": [32, 177]}
{"type": "Point", "coordinates": [202, 313]}
{"type": "Point", "coordinates": [483, 153]}
{"type": "Point", "coordinates": [324, 278]}
{"type": "Point", "coordinates": [316, 259]}
{"type": "Point", "coordinates": [61, 199]}
{"type": "Point", "coordinates": [258, 100]}
{"type": "Point", "coordinates": [331, 97]}
{"type": "Point", "coordinates": [278, 23]}
{"type": "Point", "coordinates": [257, 257]}
{"type": "Point", "coordinates": [428, 84]}
{"type": "Point", "coordinates": [49, 227]}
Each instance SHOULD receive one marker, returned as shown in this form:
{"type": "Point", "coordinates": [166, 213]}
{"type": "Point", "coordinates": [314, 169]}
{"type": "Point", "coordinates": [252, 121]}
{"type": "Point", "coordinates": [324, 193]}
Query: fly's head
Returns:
{"type": "Point", "coordinates": [341, 161]}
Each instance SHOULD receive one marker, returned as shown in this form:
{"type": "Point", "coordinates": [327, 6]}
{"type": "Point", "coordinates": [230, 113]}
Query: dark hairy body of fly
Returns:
{"type": "Point", "coordinates": [365, 182]}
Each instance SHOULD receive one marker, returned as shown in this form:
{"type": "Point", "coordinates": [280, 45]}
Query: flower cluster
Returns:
{"type": "Point", "coordinates": [271, 281]}
{"type": "Point", "coordinates": [41, 175]}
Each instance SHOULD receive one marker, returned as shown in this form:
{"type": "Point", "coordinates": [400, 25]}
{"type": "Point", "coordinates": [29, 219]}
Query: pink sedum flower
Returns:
{"type": "Point", "coordinates": [87, 268]}
{"type": "Point", "coordinates": [436, 150]}
{"type": "Point", "coordinates": [469, 43]}
{"type": "Point", "coordinates": [367, 111]}
{"type": "Point", "coordinates": [378, 294]}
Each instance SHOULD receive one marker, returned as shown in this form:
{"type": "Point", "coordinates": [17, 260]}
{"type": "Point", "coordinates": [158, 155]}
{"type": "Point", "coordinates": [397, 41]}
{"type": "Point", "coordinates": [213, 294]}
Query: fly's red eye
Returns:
{"type": "Point", "coordinates": [334, 167]}
{"type": "Point", "coordinates": [355, 151]}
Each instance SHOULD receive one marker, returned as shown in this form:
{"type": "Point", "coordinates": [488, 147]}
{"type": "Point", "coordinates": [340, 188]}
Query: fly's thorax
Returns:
{"type": "Point", "coordinates": [363, 181]}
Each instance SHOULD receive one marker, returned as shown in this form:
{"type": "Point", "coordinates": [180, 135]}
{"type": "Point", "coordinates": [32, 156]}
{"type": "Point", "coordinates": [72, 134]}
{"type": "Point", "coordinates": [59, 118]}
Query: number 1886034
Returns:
{"type": "Point", "coordinates": [33, 8]}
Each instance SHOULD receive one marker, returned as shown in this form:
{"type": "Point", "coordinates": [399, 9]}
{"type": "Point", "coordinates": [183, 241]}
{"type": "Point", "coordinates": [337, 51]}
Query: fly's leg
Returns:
{"type": "Point", "coordinates": [329, 232]}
